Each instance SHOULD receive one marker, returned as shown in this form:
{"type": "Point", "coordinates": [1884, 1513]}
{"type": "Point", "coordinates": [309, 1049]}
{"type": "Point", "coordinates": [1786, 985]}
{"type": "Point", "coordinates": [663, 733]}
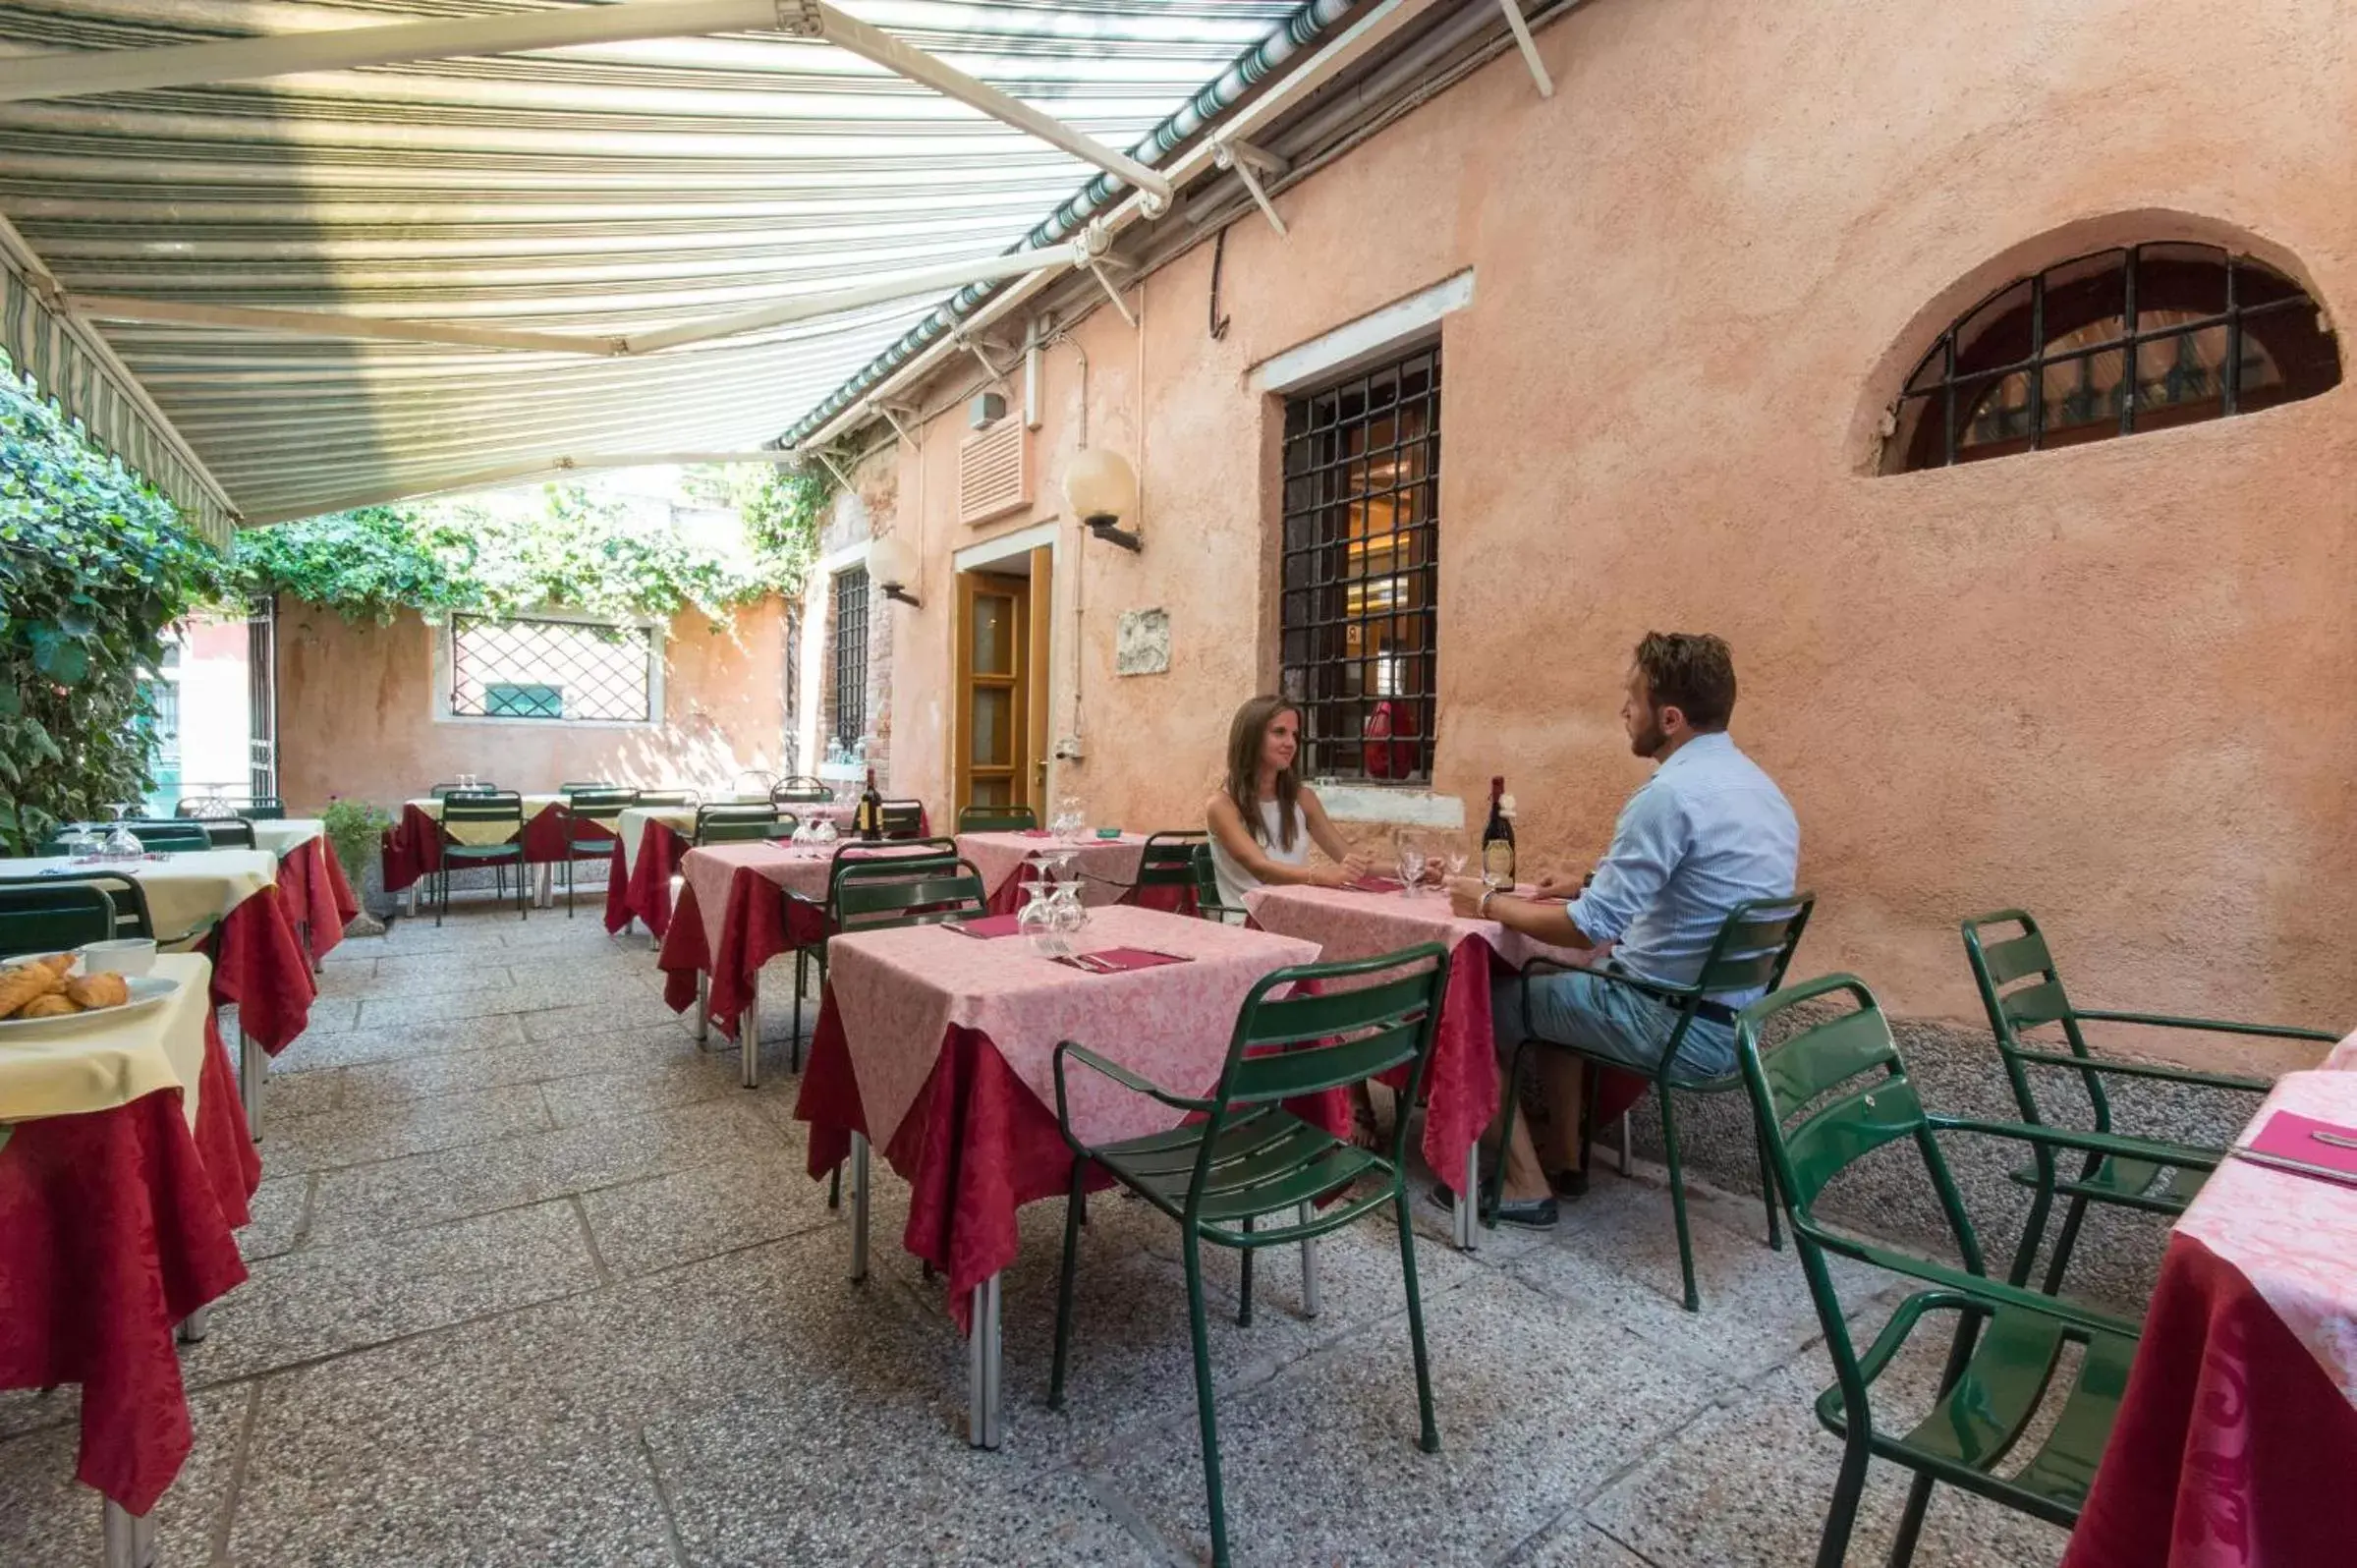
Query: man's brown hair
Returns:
{"type": "Point", "coordinates": [1691, 671]}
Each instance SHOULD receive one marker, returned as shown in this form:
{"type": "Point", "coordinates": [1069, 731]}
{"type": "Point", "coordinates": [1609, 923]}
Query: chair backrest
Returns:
{"type": "Point", "coordinates": [574, 786]}
{"type": "Point", "coordinates": [504, 805]}
{"type": "Point", "coordinates": [1169, 859]}
{"type": "Point", "coordinates": [727, 824]}
{"type": "Point", "coordinates": [800, 789]}
{"type": "Point", "coordinates": [669, 798]}
{"type": "Point", "coordinates": [130, 897]}
{"type": "Point", "coordinates": [601, 805]}
{"type": "Point", "coordinates": [2021, 990]}
{"type": "Point", "coordinates": [997, 819]}
{"type": "Point", "coordinates": [878, 894]}
{"type": "Point", "coordinates": [173, 833]}
{"type": "Point", "coordinates": [253, 807]}
{"type": "Point", "coordinates": [443, 792]}
{"type": "Point", "coordinates": [906, 858]}
{"type": "Point", "coordinates": [51, 916]}
{"type": "Point", "coordinates": [1315, 1027]}
{"type": "Point", "coordinates": [904, 819]}
{"type": "Point", "coordinates": [1207, 885]}
{"type": "Point", "coordinates": [229, 832]}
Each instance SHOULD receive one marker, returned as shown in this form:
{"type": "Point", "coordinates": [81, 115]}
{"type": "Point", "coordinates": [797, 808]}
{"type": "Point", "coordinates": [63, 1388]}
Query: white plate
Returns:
{"type": "Point", "coordinates": [146, 992]}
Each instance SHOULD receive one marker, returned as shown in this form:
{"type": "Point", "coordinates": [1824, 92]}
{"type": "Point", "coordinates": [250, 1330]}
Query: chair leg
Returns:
{"type": "Point", "coordinates": [1209, 1422]}
{"type": "Point", "coordinates": [834, 1187]}
{"type": "Point", "coordinates": [802, 980]}
{"type": "Point", "coordinates": [1428, 1434]}
{"type": "Point", "coordinates": [2065, 1244]}
{"type": "Point", "coordinates": [1842, 1516]}
{"type": "Point", "coordinates": [1072, 1256]}
{"type": "Point", "coordinates": [1243, 1290]}
{"type": "Point", "coordinates": [1911, 1523]}
{"type": "Point", "coordinates": [1677, 1197]}
{"type": "Point", "coordinates": [1768, 1190]}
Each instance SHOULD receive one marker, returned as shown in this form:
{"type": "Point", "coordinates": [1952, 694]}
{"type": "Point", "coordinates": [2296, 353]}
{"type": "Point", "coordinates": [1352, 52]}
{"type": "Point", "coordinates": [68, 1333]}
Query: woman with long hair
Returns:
{"type": "Point", "coordinates": [1263, 819]}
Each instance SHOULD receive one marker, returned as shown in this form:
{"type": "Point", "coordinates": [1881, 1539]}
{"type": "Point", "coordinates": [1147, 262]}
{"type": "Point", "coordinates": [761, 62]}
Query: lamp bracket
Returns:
{"type": "Point", "coordinates": [901, 595]}
{"type": "Point", "coordinates": [1109, 531]}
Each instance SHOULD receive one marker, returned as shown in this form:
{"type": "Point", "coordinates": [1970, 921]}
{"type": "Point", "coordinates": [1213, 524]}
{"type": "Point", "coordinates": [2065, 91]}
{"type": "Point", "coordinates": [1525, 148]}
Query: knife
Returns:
{"type": "Point", "coordinates": [2297, 1167]}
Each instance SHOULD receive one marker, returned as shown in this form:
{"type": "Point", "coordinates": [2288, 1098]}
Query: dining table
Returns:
{"type": "Point", "coordinates": [1461, 1086]}
{"type": "Point", "coordinates": [233, 902]}
{"type": "Point", "coordinates": [124, 1166]}
{"type": "Point", "coordinates": [318, 895]}
{"type": "Point", "coordinates": [648, 843]}
{"type": "Point", "coordinates": [2235, 1444]}
{"type": "Point", "coordinates": [1105, 865]}
{"type": "Point", "coordinates": [937, 1048]}
{"type": "Point", "coordinates": [412, 848]}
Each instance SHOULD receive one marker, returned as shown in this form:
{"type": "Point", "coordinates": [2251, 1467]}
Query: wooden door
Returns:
{"type": "Point", "coordinates": [994, 731]}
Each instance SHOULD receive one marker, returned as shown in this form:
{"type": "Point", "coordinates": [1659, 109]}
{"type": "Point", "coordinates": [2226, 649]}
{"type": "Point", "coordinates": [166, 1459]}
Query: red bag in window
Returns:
{"type": "Point", "coordinates": [1390, 734]}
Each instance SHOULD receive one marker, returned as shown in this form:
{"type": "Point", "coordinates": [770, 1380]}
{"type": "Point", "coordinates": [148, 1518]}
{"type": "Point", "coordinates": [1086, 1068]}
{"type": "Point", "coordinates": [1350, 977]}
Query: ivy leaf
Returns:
{"type": "Point", "coordinates": [59, 656]}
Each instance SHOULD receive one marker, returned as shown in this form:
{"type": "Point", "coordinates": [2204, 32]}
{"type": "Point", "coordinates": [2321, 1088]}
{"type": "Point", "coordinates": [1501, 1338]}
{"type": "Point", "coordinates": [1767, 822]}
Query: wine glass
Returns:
{"type": "Point", "coordinates": [82, 844]}
{"type": "Point", "coordinates": [1039, 922]}
{"type": "Point", "coordinates": [1066, 911]}
{"type": "Point", "coordinates": [1454, 850]}
{"type": "Point", "coordinates": [121, 844]}
{"type": "Point", "coordinates": [1412, 861]}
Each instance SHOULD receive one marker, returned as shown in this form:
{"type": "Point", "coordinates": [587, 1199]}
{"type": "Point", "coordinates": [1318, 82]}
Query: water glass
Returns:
{"type": "Point", "coordinates": [1412, 860]}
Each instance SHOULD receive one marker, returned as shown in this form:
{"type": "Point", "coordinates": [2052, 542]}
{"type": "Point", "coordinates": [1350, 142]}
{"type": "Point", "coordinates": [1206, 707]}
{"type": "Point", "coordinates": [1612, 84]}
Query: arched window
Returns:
{"type": "Point", "coordinates": [2112, 343]}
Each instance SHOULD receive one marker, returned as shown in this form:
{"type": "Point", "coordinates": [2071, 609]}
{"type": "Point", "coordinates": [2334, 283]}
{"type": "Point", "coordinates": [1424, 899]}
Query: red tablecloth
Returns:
{"type": "Point", "coordinates": [413, 846]}
{"type": "Point", "coordinates": [114, 1227]}
{"type": "Point", "coordinates": [312, 881]}
{"type": "Point", "coordinates": [2233, 1450]}
{"type": "Point", "coordinates": [759, 923]}
{"type": "Point", "coordinates": [644, 890]}
{"type": "Point", "coordinates": [259, 963]}
{"type": "Point", "coordinates": [976, 1145]}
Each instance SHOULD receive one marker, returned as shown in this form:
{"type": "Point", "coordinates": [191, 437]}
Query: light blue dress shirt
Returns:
{"type": "Point", "coordinates": [1707, 832]}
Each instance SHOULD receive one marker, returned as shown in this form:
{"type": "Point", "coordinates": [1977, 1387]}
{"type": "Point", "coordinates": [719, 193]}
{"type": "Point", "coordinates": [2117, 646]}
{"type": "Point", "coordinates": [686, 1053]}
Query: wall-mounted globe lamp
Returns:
{"type": "Point", "coordinates": [1101, 489]}
{"type": "Point", "coordinates": [892, 562]}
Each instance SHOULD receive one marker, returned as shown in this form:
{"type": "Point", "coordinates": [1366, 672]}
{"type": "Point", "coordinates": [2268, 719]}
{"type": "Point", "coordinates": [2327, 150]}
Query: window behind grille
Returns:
{"type": "Point", "coordinates": [559, 670]}
{"type": "Point", "coordinates": [851, 656]}
{"type": "Point", "coordinates": [1358, 569]}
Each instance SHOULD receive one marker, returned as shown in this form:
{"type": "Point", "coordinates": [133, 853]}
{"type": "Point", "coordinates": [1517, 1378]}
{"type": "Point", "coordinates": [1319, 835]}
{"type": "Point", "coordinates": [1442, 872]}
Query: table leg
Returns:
{"type": "Point", "coordinates": [1465, 1217]}
{"type": "Point", "coordinates": [749, 1035]}
{"type": "Point", "coordinates": [859, 1207]}
{"type": "Point", "coordinates": [1625, 1147]}
{"type": "Point", "coordinates": [543, 891]}
{"type": "Point", "coordinates": [253, 1067]}
{"type": "Point", "coordinates": [195, 1326]}
{"type": "Point", "coordinates": [1309, 1265]}
{"type": "Point", "coordinates": [412, 899]}
{"type": "Point", "coordinates": [982, 1367]}
{"type": "Point", "coordinates": [129, 1541]}
{"type": "Point", "coordinates": [704, 1008]}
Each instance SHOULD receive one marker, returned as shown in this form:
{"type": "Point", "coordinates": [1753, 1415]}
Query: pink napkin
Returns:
{"type": "Point", "coordinates": [1115, 960]}
{"type": "Point", "coordinates": [988, 925]}
{"type": "Point", "coordinates": [1375, 885]}
{"type": "Point", "coordinates": [2289, 1134]}
{"type": "Point", "coordinates": [1033, 832]}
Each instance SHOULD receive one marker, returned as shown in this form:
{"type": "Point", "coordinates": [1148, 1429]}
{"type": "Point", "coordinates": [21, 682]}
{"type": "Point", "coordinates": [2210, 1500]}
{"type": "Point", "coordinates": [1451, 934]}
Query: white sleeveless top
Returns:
{"type": "Point", "coordinates": [1234, 879]}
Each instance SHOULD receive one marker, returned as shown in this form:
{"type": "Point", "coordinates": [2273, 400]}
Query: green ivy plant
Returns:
{"type": "Point", "coordinates": [94, 567]}
{"type": "Point", "coordinates": [354, 829]}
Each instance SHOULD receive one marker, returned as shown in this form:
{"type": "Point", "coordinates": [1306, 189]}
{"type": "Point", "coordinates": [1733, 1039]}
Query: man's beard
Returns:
{"type": "Point", "coordinates": [1648, 742]}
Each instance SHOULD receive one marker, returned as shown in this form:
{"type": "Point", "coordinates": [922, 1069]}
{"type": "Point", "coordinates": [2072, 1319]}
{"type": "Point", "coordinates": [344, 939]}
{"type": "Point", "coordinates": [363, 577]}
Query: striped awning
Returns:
{"type": "Point", "coordinates": [596, 191]}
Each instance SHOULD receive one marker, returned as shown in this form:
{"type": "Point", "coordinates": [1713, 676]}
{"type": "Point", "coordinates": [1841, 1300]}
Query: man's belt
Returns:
{"type": "Point", "coordinates": [1707, 1011]}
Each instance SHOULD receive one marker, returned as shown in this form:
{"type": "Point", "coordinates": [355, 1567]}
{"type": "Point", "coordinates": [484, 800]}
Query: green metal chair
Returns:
{"type": "Point", "coordinates": [737, 824]}
{"type": "Point", "coordinates": [255, 809]}
{"type": "Point", "coordinates": [602, 804]}
{"type": "Point", "coordinates": [503, 808]}
{"type": "Point", "coordinates": [172, 834]}
{"type": "Point", "coordinates": [49, 916]}
{"type": "Point", "coordinates": [1167, 860]}
{"type": "Point", "coordinates": [800, 789]}
{"type": "Point", "coordinates": [1206, 889]}
{"type": "Point", "coordinates": [670, 797]}
{"type": "Point", "coordinates": [2021, 990]}
{"type": "Point", "coordinates": [443, 792]}
{"type": "Point", "coordinates": [572, 787]}
{"type": "Point", "coordinates": [904, 819]}
{"type": "Point", "coordinates": [997, 819]}
{"type": "Point", "coordinates": [2007, 1341]}
{"type": "Point", "coordinates": [228, 832]}
{"type": "Point", "coordinates": [1242, 1158]}
{"type": "Point", "coordinates": [1751, 952]}
{"type": "Point", "coordinates": [874, 898]}
{"type": "Point", "coordinates": [129, 897]}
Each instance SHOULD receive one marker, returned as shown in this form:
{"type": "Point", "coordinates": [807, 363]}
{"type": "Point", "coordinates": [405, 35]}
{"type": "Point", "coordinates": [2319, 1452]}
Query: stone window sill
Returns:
{"type": "Point", "coordinates": [1391, 805]}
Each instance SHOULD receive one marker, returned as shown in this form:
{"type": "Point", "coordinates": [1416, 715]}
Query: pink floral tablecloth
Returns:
{"type": "Point", "coordinates": [900, 992]}
{"type": "Point", "coordinates": [2236, 1439]}
{"type": "Point", "coordinates": [1104, 863]}
{"type": "Point", "coordinates": [799, 871]}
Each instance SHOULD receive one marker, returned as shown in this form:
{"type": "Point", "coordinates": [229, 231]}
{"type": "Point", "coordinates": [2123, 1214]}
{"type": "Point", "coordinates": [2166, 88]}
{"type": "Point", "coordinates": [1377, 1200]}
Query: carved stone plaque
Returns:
{"type": "Point", "coordinates": [1145, 645]}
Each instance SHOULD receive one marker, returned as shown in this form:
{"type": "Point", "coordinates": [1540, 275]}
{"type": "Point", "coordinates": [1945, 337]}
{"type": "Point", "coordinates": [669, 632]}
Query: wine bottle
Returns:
{"type": "Point", "coordinates": [870, 817]}
{"type": "Point", "coordinates": [1497, 837]}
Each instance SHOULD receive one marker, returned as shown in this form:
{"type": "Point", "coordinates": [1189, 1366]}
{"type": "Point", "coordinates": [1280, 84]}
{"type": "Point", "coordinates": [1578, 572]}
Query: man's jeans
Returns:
{"type": "Point", "coordinates": [1616, 1022]}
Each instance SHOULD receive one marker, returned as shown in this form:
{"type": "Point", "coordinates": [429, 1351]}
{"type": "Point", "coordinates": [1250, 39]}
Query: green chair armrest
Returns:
{"type": "Point", "coordinates": [2213, 1025]}
{"type": "Point", "coordinates": [2173, 1075]}
{"type": "Point", "coordinates": [2191, 1156]}
{"type": "Point", "coordinates": [1119, 1075]}
{"type": "Point", "coordinates": [1976, 1290]}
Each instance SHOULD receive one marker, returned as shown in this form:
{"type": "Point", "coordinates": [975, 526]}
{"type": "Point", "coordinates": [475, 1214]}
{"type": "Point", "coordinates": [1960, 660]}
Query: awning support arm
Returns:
{"type": "Point", "coordinates": [1242, 156]}
{"type": "Point", "coordinates": [1529, 49]}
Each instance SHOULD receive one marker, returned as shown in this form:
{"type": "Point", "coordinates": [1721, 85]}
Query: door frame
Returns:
{"type": "Point", "coordinates": [1017, 682]}
{"type": "Point", "coordinates": [1040, 545]}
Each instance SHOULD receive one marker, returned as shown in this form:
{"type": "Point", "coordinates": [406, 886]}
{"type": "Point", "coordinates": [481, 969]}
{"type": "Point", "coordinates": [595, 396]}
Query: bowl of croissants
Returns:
{"type": "Point", "coordinates": [61, 985]}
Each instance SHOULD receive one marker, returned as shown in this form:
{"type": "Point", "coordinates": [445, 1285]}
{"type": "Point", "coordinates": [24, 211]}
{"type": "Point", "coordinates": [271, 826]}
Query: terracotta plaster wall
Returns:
{"type": "Point", "coordinates": [2109, 684]}
{"type": "Point", "coordinates": [355, 713]}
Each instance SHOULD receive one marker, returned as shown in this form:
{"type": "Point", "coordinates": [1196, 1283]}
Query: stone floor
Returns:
{"type": "Point", "coordinates": [534, 1282]}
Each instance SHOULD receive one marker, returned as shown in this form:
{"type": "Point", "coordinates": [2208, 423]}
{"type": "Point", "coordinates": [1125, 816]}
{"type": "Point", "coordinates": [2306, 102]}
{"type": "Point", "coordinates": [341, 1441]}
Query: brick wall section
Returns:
{"type": "Point", "coordinates": [863, 511]}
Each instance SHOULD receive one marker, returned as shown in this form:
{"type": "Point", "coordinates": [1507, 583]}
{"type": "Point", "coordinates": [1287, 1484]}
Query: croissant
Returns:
{"type": "Point", "coordinates": [98, 990]}
{"type": "Point", "coordinates": [22, 983]}
{"type": "Point", "coordinates": [49, 1004]}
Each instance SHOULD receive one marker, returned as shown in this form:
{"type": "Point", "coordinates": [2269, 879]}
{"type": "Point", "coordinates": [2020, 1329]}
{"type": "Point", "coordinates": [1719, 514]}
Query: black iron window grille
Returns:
{"type": "Point", "coordinates": [582, 671]}
{"type": "Point", "coordinates": [851, 656]}
{"type": "Point", "coordinates": [1359, 648]}
{"type": "Point", "coordinates": [2110, 344]}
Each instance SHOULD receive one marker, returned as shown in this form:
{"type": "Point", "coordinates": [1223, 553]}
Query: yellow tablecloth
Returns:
{"type": "Point", "coordinates": [487, 832]}
{"type": "Point", "coordinates": [280, 835]}
{"type": "Point", "coordinates": [187, 889]}
{"type": "Point", "coordinates": [94, 1064]}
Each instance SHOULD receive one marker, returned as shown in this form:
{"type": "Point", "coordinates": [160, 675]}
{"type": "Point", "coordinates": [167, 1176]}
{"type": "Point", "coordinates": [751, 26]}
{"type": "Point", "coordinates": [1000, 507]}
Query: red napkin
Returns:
{"type": "Point", "coordinates": [1375, 885]}
{"type": "Point", "coordinates": [988, 926]}
{"type": "Point", "coordinates": [2289, 1134]}
{"type": "Point", "coordinates": [1115, 960]}
{"type": "Point", "coordinates": [1033, 832]}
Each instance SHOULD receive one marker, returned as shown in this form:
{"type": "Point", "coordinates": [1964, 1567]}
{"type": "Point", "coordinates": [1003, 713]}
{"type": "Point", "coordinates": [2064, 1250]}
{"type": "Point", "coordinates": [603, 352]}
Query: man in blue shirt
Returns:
{"type": "Point", "coordinates": [1707, 832]}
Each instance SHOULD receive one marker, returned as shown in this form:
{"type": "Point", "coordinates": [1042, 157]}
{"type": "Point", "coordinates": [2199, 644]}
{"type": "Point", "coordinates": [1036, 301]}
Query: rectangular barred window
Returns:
{"type": "Point", "coordinates": [851, 656]}
{"type": "Point", "coordinates": [576, 671]}
{"type": "Point", "coordinates": [1360, 565]}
